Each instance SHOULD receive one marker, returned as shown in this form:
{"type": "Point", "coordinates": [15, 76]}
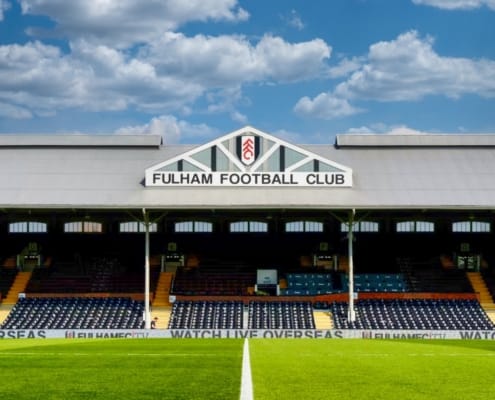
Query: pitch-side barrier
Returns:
{"type": "Point", "coordinates": [245, 334]}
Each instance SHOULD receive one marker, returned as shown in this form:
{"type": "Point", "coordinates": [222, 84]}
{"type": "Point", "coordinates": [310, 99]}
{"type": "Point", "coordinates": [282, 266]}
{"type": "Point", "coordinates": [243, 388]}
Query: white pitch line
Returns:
{"type": "Point", "coordinates": [246, 378]}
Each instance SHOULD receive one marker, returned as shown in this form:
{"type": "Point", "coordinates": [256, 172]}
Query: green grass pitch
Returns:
{"type": "Point", "coordinates": [211, 369]}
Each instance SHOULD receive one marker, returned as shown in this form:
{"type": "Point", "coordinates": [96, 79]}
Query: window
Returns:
{"type": "Point", "coordinates": [248, 226]}
{"type": "Point", "coordinates": [471, 226]}
{"type": "Point", "coordinates": [360, 226]}
{"type": "Point", "coordinates": [28, 227]}
{"type": "Point", "coordinates": [135, 227]}
{"type": "Point", "coordinates": [83, 227]}
{"type": "Point", "coordinates": [415, 226]}
{"type": "Point", "coordinates": [304, 226]}
{"type": "Point", "coordinates": [193, 226]}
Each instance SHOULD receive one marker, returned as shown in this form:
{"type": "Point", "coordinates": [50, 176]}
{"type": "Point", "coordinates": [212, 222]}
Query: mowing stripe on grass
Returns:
{"type": "Point", "coordinates": [7, 354]}
{"type": "Point", "coordinates": [246, 378]}
{"type": "Point", "coordinates": [347, 355]}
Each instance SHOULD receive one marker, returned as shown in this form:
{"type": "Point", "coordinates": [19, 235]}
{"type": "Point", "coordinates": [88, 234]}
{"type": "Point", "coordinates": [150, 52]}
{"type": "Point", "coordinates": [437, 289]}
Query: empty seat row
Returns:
{"type": "Point", "coordinates": [207, 315]}
{"type": "Point", "coordinates": [75, 313]}
{"type": "Point", "coordinates": [280, 315]}
{"type": "Point", "coordinates": [412, 314]}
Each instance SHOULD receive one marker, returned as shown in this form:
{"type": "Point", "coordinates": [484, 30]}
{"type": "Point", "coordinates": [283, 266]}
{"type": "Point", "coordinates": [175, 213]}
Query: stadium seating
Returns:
{"type": "Point", "coordinates": [281, 315]}
{"type": "Point", "coordinates": [203, 281]}
{"type": "Point", "coordinates": [102, 276]}
{"type": "Point", "coordinates": [75, 313]}
{"type": "Point", "coordinates": [7, 277]}
{"type": "Point", "coordinates": [429, 276]}
{"type": "Point", "coordinates": [313, 284]}
{"type": "Point", "coordinates": [207, 315]}
{"type": "Point", "coordinates": [412, 314]}
{"type": "Point", "coordinates": [376, 283]}
{"type": "Point", "coordinates": [300, 284]}
{"type": "Point", "coordinates": [489, 278]}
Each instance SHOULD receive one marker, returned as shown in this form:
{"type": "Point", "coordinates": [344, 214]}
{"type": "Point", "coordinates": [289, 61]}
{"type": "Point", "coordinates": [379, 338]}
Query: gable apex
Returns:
{"type": "Point", "coordinates": [248, 151]}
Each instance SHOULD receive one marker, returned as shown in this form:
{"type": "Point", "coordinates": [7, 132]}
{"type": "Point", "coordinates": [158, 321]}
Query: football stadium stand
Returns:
{"type": "Point", "coordinates": [107, 231]}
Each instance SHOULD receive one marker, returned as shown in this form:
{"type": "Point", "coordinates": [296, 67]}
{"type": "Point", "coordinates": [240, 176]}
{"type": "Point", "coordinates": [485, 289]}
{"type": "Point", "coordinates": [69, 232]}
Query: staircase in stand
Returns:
{"type": "Point", "coordinates": [162, 313]}
{"type": "Point", "coordinates": [161, 307]}
{"type": "Point", "coordinates": [162, 291]}
{"type": "Point", "coordinates": [4, 312]}
{"type": "Point", "coordinates": [486, 300]}
{"type": "Point", "coordinates": [19, 286]}
{"type": "Point", "coordinates": [323, 320]}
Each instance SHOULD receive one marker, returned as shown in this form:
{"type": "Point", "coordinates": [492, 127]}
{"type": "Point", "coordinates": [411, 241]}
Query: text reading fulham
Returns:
{"type": "Point", "coordinates": [294, 179]}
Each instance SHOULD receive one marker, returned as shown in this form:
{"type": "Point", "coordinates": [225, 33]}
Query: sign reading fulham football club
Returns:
{"type": "Point", "coordinates": [248, 157]}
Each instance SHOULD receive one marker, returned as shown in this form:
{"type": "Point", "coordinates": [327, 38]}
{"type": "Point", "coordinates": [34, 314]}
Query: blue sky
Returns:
{"type": "Point", "coordinates": [192, 70]}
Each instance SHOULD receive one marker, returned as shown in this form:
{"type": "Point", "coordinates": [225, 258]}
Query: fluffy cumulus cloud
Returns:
{"type": "Point", "coordinates": [171, 129]}
{"type": "Point", "coordinates": [457, 4]}
{"type": "Point", "coordinates": [404, 69]}
{"type": "Point", "coordinates": [408, 68]}
{"type": "Point", "coordinates": [125, 22]}
{"type": "Point", "coordinates": [168, 74]}
{"type": "Point", "coordinates": [325, 106]}
{"type": "Point", "coordinates": [386, 129]}
{"type": "Point", "coordinates": [40, 78]}
{"type": "Point", "coordinates": [4, 6]}
{"type": "Point", "coordinates": [127, 55]}
{"type": "Point", "coordinates": [231, 60]}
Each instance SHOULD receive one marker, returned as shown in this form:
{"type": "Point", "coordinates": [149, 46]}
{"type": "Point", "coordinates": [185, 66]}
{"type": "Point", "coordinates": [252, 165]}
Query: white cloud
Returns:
{"type": "Point", "coordinates": [168, 75]}
{"type": "Point", "coordinates": [230, 60]}
{"type": "Point", "coordinates": [12, 111]}
{"type": "Point", "coordinates": [325, 106]}
{"type": "Point", "coordinates": [408, 68]}
{"type": "Point", "coordinates": [4, 6]}
{"type": "Point", "coordinates": [40, 78]}
{"type": "Point", "coordinates": [361, 129]}
{"type": "Point", "coordinates": [457, 4]}
{"type": "Point", "coordinates": [294, 20]}
{"type": "Point", "coordinates": [172, 130]}
{"type": "Point", "coordinates": [404, 69]}
{"type": "Point", "coordinates": [386, 129]}
{"type": "Point", "coordinates": [345, 67]}
{"type": "Point", "coordinates": [404, 130]}
{"type": "Point", "coordinates": [124, 22]}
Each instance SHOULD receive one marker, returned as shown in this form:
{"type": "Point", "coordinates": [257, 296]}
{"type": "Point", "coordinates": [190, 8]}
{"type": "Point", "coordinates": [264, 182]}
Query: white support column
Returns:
{"type": "Point", "coordinates": [350, 238]}
{"type": "Point", "coordinates": [147, 312]}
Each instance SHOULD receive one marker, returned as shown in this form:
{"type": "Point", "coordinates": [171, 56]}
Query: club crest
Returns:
{"type": "Point", "coordinates": [247, 148]}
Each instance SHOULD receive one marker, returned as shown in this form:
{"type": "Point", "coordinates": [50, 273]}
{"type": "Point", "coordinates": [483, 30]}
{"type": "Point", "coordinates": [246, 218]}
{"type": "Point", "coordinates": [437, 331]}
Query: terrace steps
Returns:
{"type": "Point", "coordinates": [4, 312]}
{"type": "Point", "coordinates": [323, 320]}
{"type": "Point", "coordinates": [19, 286]}
{"type": "Point", "coordinates": [162, 292]}
{"type": "Point", "coordinates": [485, 298]}
{"type": "Point", "coordinates": [163, 314]}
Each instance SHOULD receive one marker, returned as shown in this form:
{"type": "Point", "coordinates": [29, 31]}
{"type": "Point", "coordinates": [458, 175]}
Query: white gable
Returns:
{"type": "Point", "coordinates": [248, 157]}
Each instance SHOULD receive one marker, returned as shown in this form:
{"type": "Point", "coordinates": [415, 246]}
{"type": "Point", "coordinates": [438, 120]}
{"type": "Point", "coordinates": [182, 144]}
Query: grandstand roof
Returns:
{"type": "Point", "coordinates": [412, 140]}
{"type": "Point", "coordinates": [57, 141]}
{"type": "Point", "coordinates": [387, 172]}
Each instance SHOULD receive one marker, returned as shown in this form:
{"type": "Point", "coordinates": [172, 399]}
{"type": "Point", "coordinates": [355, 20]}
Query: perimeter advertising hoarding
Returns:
{"type": "Point", "coordinates": [243, 334]}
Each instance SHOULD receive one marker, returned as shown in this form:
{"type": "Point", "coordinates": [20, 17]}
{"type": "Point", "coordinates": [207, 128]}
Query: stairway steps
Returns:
{"type": "Point", "coordinates": [162, 291]}
{"type": "Point", "coordinates": [323, 320]}
{"type": "Point", "coordinates": [19, 286]}
{"type": "Point", "coordinates": [485, 298]}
